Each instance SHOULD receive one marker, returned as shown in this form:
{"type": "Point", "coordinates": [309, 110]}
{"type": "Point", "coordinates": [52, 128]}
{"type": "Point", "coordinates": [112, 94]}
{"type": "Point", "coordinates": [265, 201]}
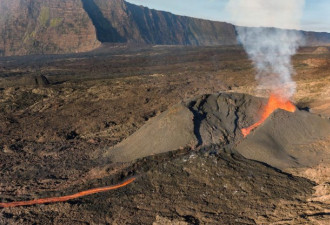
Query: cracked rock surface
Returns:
{"type": "Point", "coordinates": [214, 119]}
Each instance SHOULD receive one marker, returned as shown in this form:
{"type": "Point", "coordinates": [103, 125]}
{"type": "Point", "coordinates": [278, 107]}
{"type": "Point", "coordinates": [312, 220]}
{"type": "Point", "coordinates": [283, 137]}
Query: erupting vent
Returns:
{"type": "Point", "coordinates": [275, 102]}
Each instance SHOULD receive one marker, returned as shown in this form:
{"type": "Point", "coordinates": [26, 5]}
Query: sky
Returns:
{"type": "Point", "coordinates": [316, 15]}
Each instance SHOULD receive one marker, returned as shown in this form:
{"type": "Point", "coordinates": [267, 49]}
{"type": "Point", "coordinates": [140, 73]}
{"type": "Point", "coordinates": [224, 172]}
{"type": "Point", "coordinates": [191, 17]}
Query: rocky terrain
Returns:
{"type": "Point", "coordinates": [41, 27]}
{"type": "Point", "coordinates": [131, 23]}
{"type": "Point", "coordinates": [186, 188]}
{"type": "Point", "coordinates": [64, 117]}
{"type": "Point", "coordinates": [207, 120]}
{"type": "Point", "coordinates": [56, 26]}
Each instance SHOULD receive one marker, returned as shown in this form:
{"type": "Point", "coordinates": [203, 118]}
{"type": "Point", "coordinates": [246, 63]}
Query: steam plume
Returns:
{"type": "Point", "coordinates": [270, 49]}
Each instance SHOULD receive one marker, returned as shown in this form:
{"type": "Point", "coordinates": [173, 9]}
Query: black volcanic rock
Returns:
{"type": "Point", "coordinates": [289, 140]}
{"type": "Point", "coordinates": [207, 120]}
{"type": "Point", "coordinates": [285, 140]}
{"type": "Point", "coordinates": [37, 80]}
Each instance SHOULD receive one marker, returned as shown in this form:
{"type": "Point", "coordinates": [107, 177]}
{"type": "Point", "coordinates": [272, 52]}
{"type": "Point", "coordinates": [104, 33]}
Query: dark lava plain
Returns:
{"type": "Point", "coordinates": [58, 113]}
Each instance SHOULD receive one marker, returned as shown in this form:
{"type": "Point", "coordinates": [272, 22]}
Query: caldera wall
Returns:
{"type": "Point", "coordinates": [70, 26]}
{"type": "Point", "coordinates": [45, 27]}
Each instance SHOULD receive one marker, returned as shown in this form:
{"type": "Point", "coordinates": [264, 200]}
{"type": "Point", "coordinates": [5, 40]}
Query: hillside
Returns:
{"type": "Point", "coordinates": [119, 21]}
{"type": "Point", "coordinates": [57, 26]}
{"type": "Point", "coordinates": [45, 26]}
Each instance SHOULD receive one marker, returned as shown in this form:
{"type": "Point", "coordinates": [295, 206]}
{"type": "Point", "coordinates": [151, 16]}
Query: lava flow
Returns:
{"type": "Point", "coordinates": [275, 102]}
{"type": "Point", "coordinates": [68, 197]}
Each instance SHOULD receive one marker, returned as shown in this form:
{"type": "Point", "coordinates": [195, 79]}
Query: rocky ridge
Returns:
{"type": "Point", "coordinates": [44, 27]}
{"type": "Point", "coordinates": [56, 26]}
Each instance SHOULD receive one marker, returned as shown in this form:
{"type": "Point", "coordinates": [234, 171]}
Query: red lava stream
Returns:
{"type": "Point", "coordinates": [275, 102]}
{"type": "Point", "coordinates": [67, 197]}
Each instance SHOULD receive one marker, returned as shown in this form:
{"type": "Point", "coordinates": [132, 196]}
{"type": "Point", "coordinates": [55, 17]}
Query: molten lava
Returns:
{"type": "Point", "coordinates": [66, 198]}
{"type": "Point", "coordinates": [275, 102]}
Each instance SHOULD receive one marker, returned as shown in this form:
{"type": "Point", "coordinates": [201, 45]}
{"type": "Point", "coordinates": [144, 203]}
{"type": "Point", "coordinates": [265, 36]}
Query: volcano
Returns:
{"type": "Point", "coordinates": [206, 120]}
{"type": "Point", "coordinates": [214, 179]}
{"type": "Point", "coordinates": [283, 140]}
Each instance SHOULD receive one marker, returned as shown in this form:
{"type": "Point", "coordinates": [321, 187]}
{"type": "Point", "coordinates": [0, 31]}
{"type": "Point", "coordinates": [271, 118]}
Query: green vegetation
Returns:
{"type": "Point", "coordinates": [55, 22]}
{"type": "Point", "coordinates": [44, 16]}
{"type": "Point", "coordinates": [29, 36]}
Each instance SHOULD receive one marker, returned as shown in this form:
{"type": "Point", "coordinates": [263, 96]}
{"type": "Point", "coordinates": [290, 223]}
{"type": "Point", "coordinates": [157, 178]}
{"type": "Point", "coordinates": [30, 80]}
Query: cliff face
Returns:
{"type": "Point", "coordinates": [317, 38]}
{"type": "Point", "coordinates": [66, 26]}
{"type": "Point", "coordinates": [45, 26]}
{"type": "Point", "coordinates": [131, 23]}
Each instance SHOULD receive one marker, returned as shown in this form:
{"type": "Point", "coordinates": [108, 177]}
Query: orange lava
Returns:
{"type": "Point", "coordinates": [68, 197]}
{"type": "Point", "coordinates": [275, 102]}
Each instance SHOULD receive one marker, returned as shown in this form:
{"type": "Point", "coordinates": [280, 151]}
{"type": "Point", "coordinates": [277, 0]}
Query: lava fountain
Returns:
{"type": "Point", "coordinates": [275, 102]}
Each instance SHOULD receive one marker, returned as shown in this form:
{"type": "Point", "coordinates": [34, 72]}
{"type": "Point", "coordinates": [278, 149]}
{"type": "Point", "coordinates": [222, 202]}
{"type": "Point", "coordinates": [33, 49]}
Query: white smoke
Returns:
{"type": "Point", "coordinates": [270, 49]}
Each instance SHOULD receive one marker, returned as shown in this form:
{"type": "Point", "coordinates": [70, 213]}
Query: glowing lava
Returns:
{"type": "Point", "coordinates": [66, 198]}
{"type": "Point", "coordinates": [275, 102]}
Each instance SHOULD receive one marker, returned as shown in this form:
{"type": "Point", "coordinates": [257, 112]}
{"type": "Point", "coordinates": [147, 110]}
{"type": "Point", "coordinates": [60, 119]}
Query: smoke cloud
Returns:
{"type": "Point", "coordinates": [270, 48]}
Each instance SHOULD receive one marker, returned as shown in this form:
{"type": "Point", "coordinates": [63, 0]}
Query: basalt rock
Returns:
{"type": "Point", "coordinates": [207, 120]}
{"type": "Point", "coordinates": [289, 140]}
{"type": "Point", "coordinates": [284, 140]}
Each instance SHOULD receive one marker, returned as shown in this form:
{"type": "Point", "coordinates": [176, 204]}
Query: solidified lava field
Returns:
{"type": "Point", "coordinates": [61, 117]}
